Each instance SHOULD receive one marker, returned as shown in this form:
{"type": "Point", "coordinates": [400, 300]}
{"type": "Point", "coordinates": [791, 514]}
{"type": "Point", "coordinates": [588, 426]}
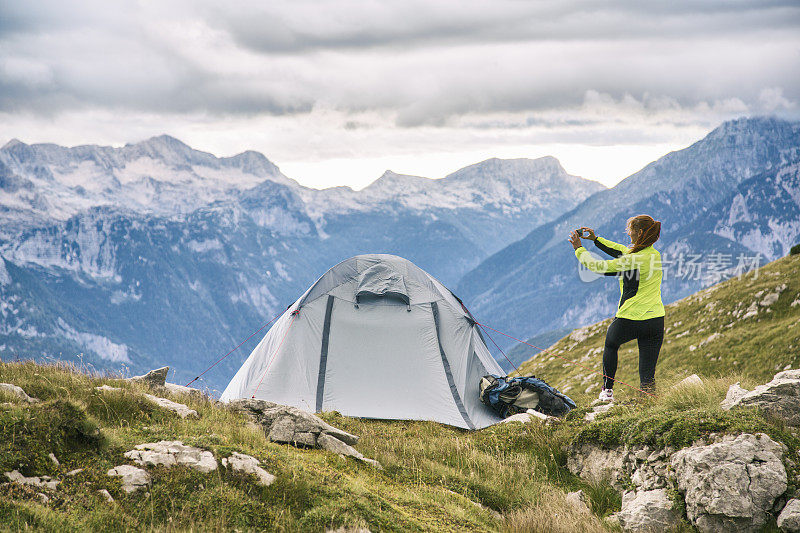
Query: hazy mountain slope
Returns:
{"type": "Point", "coordinates": [448, 225]}
{"type": "Point", "coordinates": [748, 325]}
{"type": "Point", "coordinates": [531, 286]}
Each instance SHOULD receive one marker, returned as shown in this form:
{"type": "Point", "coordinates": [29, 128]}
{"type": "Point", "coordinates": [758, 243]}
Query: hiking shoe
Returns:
{"type": "Point", "coordinates": [606, 395]}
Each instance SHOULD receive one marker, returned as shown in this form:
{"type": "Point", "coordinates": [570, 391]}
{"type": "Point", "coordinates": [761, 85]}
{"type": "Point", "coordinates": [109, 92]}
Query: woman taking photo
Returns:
{"type": "Point", "coordinates": [640, 313]}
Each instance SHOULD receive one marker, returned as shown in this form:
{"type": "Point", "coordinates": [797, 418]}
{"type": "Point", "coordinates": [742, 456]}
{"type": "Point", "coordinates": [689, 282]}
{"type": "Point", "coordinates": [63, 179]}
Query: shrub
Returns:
{"type": "Point", "coordinates": [794, 250]}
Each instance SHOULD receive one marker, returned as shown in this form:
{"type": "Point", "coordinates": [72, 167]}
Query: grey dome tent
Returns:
{"type": "Point", "coordinates": [374, 337]}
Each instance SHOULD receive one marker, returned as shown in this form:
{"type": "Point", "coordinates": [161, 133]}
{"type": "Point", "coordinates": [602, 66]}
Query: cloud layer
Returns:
{"type": "Point", "coordinates": [570, 70]}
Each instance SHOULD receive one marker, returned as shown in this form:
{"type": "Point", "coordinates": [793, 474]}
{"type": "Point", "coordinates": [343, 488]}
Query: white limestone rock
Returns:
{"type": "Point", "coordinates": [34, 481]}
{"type": "Point", "coordinates": [692, 381]}
{"type": "Point", "coordinates": [731, 485]}
{"type": "Point", "coordinates": [789, 519]}
{"type": "Point", "coordinates": [182, 410]}
{"type": "Point", "coordinates": [17, 391]}
{"type": "Point", "coordinates": [155, 377]}
{"type": "Point", "coordinates": [239, 462]}
{"type": "Point", "coordinates": [522, 418]}
{"type": "Point", "coordinates": [735, 393]}
{"type": "Point", "coordinates": [133, 478]}
{"type": "Point", "coordinates": [172, 453]}
{"type": "Point", "coordinates": [647, 510]}
{"type": "Point", "coordinates": [779, 397]}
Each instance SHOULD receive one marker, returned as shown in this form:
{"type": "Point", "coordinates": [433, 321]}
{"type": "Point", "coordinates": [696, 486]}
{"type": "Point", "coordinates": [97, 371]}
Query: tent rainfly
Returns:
{"type": "Point", "coordinates": [374, 337]}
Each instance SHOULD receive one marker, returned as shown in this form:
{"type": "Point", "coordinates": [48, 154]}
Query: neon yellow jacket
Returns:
{"type": "Point", "coordinates": [639, 275]}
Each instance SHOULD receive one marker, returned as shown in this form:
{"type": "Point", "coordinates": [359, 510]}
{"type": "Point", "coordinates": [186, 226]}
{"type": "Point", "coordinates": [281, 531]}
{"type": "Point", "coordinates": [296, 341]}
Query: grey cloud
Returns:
{"type": "Point", "coordinates": [426, 63]}
{"type": "Point", "coordinates": [312, 26]}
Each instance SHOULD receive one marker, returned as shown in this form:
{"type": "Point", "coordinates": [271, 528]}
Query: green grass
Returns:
{"type": "Point", "coordinates": [435, 477]}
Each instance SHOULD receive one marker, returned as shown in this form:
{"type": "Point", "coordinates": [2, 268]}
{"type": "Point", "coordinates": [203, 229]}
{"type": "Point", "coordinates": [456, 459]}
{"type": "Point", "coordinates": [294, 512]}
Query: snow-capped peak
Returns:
{"type": "Point", "coordinates": [12, 143]}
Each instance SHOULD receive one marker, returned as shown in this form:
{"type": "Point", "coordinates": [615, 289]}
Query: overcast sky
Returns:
{"type": "Point", "coordinates": [336, 92]}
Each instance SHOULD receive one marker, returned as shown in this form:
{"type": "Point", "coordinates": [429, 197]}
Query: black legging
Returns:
{"type": "Point", "coordinates": [649, 333]}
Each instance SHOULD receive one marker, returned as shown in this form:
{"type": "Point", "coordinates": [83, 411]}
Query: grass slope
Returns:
{"type": "Point", "coordinates": [713, 332]}
{"type": "Point", "coordinates": [509, 477]}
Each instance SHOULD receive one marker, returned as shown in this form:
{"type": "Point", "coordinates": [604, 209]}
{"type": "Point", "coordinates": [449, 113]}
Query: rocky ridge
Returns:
{"type": "Point", "coordinates": [726, 482]}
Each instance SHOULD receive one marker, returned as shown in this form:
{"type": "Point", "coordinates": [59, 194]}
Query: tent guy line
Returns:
{"type": "Point", "coordinates": [236, 348]}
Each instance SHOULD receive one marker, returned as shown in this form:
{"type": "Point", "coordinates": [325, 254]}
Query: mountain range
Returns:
{"type": "Point", "coordinates": [155, 253]}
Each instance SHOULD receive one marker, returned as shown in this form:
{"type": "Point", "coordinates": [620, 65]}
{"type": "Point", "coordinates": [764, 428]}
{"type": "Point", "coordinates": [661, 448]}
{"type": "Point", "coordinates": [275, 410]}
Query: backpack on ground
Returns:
{"type": "Point", "coordinates": [508, 396]}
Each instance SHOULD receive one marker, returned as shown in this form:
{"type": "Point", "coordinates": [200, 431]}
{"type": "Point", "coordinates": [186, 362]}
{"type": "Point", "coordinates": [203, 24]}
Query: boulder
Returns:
{"type": "Point", "coordinates": [239, 462]}
{"type": "Point", "coordinates": [789, 519]}
{"type": "Point", "coordinates": [289, 425]}
{"type": "Point", "coordinates": [133, 478]}
{"type": "Point", "coordinates": [286, 424]}
{"type": "Point", "coordinates": [34, 481]}
{"type": "Point", "coordinates": [732, 484]}
{"type": "Point", "coordinates": [171, 453]}
{"type": "Point", "coordinates": [182, 410]}
{"type": "Point", "coordinates": [647, 510]}
{"type": "Point", "coordinates": [779, 397]}
{"type": "Point", "coordinates": [17, 391]}
{"type": "Point", "coordinates": [155, 377]}
{"type": "Point", "coordinates": [106, 495]}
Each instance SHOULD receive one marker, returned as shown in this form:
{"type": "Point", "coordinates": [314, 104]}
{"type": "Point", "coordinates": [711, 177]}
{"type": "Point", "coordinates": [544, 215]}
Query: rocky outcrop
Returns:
{"type": "Point", "coordinates": [779, 397]}
{"type": "Point", "coordinates": [294, 426]}
{"type": "Point", "coordinates": [288, 424]}
{"type": "Point", "coordinates": [731, 485]}
{"type": "Point", "coordinates": [645, 467]}
{"type": "Point", "coordinates": [34, 481]}
{"type": "Point", "coordinates": [172, 453]}
{"type": "Point", "coordinates": [789, 519]}
{"type": "Point", "coordinates": [154, 378]}
{"type": "Point", "coordinates": [728, 485]}
{"type": "Point", "coordinates": [284, 424]}
{"type": "Point", "coordinates": [648, 510]}
{"type": "Point", "coordinates": [239, 462]}
{"type": "Point", "coordinates": [17, 391]}
{"type": "Point", "coordinates": [133, 478]}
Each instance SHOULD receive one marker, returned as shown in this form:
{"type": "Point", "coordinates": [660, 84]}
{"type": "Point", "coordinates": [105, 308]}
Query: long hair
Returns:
{"type": "Point", "coordinates": [646, 232]}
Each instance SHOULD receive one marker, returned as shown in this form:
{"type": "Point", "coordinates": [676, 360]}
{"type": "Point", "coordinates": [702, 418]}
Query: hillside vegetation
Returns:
{"type": "Point", "coordinates": [747, 326]}
{"type": "Point", "coordinates": [509, 477]}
